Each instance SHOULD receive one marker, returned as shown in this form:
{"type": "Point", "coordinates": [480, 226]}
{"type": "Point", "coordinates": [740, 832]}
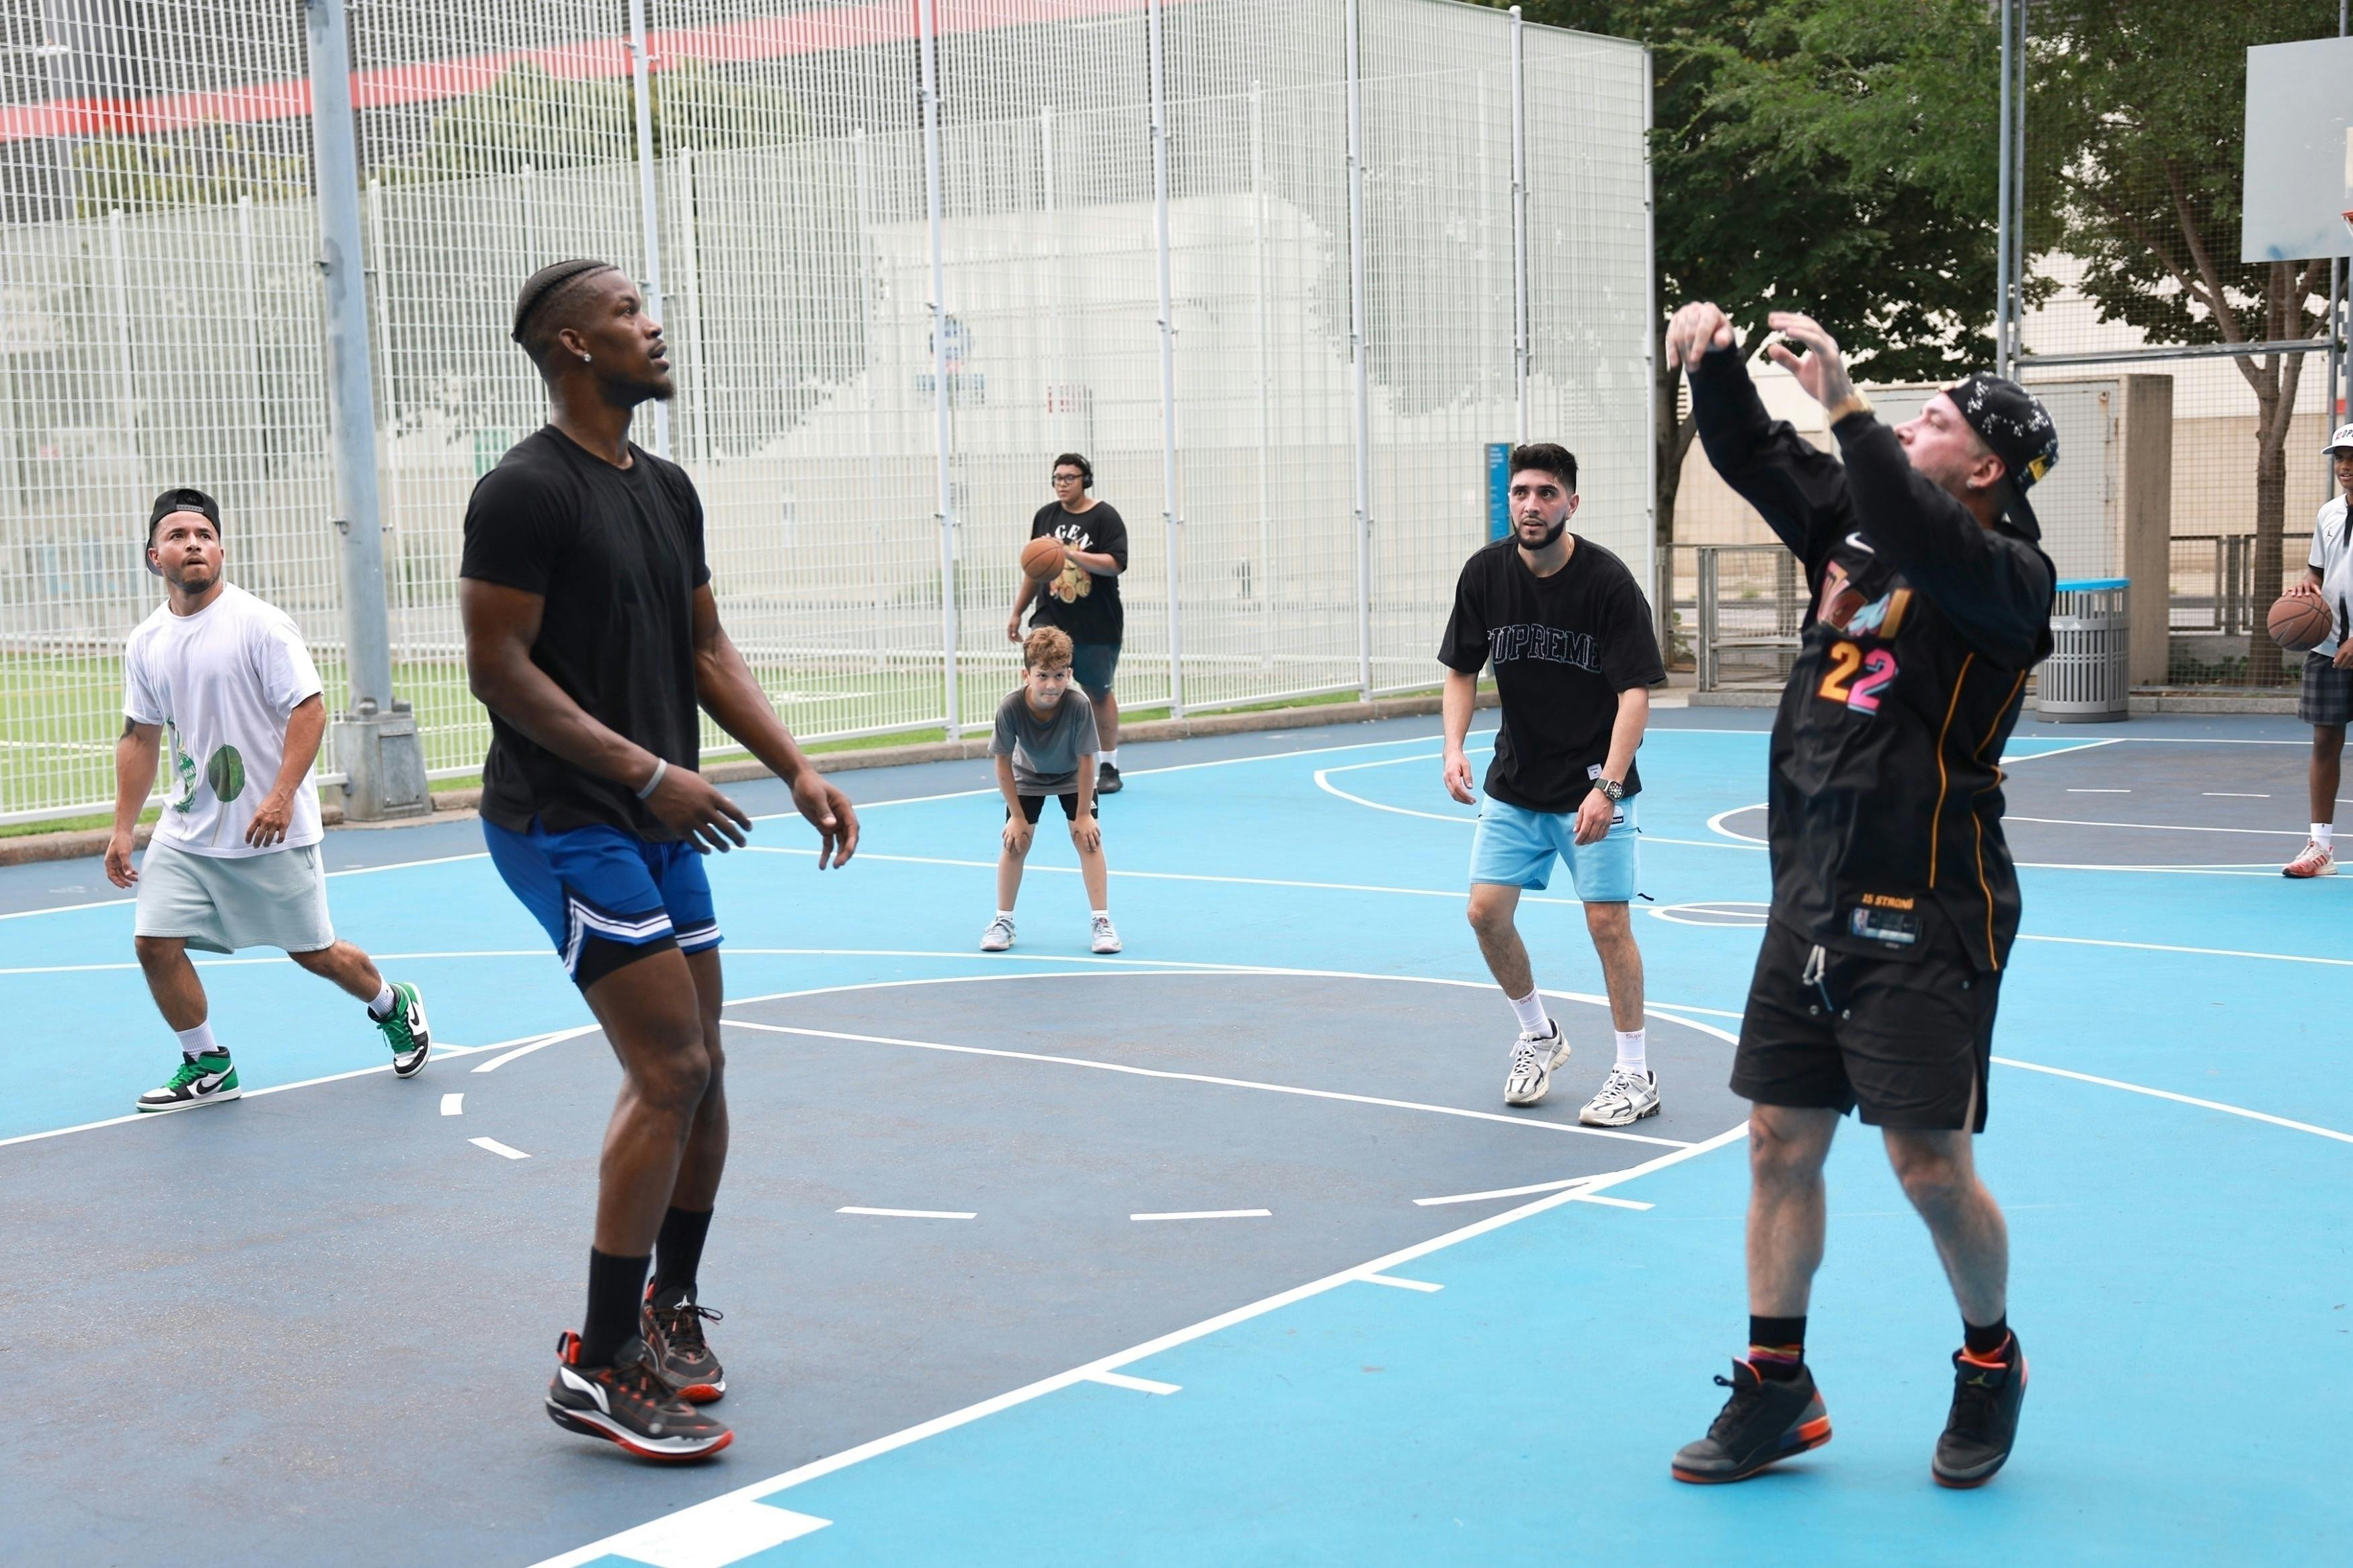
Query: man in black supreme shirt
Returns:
{"type": "Point", "coordinates": [1569, 635]}
{"type": "Point", "coordinates": [592, 637]}
{"type": "Point", "coordinates": [1894, 900]}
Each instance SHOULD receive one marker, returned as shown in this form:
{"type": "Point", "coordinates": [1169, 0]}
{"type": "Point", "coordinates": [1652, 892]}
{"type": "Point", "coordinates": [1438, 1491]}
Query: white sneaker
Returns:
{"type": "Point", "coordinates": [1533, 1057]}
{"type": "Point", "coordinates": [998, 936]}
{"type": "Point", "coordinates": [1625, 1099]}
{"type": "Point", "coordinates": [1106, 939]}
{"type": "Point", "coordinates": [2316, 861]}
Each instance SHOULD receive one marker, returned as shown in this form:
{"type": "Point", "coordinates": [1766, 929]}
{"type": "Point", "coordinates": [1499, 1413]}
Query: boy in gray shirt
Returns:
{"type": "Point", "coordinates": [1045, 745]}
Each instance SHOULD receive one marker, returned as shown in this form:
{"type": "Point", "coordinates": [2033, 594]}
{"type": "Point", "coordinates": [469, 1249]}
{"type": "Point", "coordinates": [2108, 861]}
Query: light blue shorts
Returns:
{"type": "Point", "coordinates": [1514, 847]}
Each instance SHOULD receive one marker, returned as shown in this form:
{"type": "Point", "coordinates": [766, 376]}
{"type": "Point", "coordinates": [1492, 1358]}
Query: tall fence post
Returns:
{"type": "Point", "coordinates": [690, 259]}
{"type": "Point", "coordinates": [1169, 515]}
{"type": "Point", "coordinates": [927, 51]}
{"type": "Point", "coordinates": [2001, 211]}
{"type": "Point", "coordinates": [1662, 551]}
{"type": "Point", "coordinates": [649, 215]}
{"type": "Point", "coordinates": [1265, 573]}
{"type": "Point", "coordinates": [1356, 319]}
{"type": "Point", "coordinates": [375, 744]}
{"type": "Point", "coordinates": [1520, 224]}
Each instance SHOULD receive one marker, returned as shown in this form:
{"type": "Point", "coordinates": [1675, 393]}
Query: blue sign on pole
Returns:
{"type": "Point", "coordinates": [1499, 488]}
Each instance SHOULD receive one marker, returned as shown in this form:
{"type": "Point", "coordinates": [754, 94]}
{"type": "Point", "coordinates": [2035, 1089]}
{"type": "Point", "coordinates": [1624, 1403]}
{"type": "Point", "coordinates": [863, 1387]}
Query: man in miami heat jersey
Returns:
{"type": "Point", "coordinates": [1895, 900]}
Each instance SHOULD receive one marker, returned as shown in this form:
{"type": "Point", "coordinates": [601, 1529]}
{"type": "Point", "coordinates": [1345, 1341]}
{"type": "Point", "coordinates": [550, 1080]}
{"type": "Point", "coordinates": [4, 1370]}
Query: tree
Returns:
{"type": "Point", "coordinates": [2136, 114]}
{"type": "Point", "coordinates": [211, 164]}
{"type": "Point", "coordinates": [1836, 156]}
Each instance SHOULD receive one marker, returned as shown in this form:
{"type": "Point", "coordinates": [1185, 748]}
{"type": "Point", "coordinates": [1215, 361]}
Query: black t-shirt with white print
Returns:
{"type": "Point", "coordinates": [1563, 646]}
{"type": "Point", "coordinates": [1082, 603]}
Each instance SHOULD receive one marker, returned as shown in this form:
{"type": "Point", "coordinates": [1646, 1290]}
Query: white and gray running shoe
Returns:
{"type": "Point", "coordinates": [1106, 939]}
{"type": "Point", "coordinates": [998, 936]}
{"type": "Point", "coordinates": [1534, 1059]}
{"type": "Point", "coordinates": [1625, 1099]}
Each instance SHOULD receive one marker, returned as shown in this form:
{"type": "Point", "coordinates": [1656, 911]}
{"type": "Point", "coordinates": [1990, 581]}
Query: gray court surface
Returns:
{"type": "Point", "coordinates": [338, 1296]}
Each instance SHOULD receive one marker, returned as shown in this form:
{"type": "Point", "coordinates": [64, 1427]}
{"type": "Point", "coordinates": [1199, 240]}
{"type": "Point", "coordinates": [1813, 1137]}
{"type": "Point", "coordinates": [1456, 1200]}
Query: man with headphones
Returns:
{"type": "Point", "coordinates": [1084, 600]}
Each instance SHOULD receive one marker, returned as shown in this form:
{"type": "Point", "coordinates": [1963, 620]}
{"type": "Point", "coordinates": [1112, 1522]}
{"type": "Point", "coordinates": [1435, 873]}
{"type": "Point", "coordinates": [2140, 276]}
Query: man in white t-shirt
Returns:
{"type": "Point", "coordinates": [234, 860]}
{"type": "Point", "coordinates": [2327, 702]}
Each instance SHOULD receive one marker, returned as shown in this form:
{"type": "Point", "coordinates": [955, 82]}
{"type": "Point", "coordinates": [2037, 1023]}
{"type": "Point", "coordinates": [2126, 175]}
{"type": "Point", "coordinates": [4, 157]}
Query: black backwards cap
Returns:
{"type": "Point", "coordinates": [2014, 424]}
{"type": "Point", "coordinates": [180, 497]}
{"type": "Point", "coordinates": [545, 284]}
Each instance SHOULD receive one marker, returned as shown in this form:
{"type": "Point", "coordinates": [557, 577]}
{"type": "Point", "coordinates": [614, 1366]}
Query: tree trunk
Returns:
{"type": "Point", "coordinates": [2271, 508]}
{"type": "Point", "coordinates": [1671, 440]}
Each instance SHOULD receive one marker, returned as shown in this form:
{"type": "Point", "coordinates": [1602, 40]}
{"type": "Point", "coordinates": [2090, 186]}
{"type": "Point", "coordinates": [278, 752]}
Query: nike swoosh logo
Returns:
{"type": "Point", "coordinates": [211, 1081]}
{"type": "Point", "coordinates": [1861, 543]}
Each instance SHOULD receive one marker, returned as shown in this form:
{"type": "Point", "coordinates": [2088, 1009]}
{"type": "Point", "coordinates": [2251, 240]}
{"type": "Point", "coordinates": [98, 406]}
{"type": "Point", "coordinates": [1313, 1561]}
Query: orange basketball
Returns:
{"type": "Point", "coordinates": [1041, 559]}
{"type": "Point", "coordinates": [2299, 624]}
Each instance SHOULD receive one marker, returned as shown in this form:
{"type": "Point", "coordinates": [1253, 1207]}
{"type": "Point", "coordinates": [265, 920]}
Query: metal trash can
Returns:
{"type": "Point", "coordinates": [2088, 677]}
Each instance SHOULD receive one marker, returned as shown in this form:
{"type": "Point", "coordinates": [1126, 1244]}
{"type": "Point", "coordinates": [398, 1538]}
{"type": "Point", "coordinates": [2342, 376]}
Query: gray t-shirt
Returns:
{"type": "Point", "coordinates": [1045, 752]}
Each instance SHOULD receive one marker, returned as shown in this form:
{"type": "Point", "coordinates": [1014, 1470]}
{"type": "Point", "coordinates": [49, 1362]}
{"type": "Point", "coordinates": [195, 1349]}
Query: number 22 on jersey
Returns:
{"type": "Point", "coordinates": [1856, 677]}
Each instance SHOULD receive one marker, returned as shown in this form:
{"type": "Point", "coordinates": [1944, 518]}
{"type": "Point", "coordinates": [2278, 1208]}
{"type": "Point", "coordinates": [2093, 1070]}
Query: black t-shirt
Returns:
{"type": "Point", "coordinates": [1093, 616]}
{"type": "Point", "coordinates": [617, 555]}
{"type": "Point", "coordinates": [1564, 646]}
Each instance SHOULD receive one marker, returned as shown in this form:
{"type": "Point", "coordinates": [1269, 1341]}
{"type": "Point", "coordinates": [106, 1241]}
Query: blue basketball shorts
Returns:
{"type": "Point", "coordinates": [1515, 847]}
{"type": "Point", "coordinates": [605, 896]}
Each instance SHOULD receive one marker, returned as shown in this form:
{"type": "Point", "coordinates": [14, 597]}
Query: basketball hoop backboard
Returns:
{"type": "Point", "coordinates": [2299, 152]}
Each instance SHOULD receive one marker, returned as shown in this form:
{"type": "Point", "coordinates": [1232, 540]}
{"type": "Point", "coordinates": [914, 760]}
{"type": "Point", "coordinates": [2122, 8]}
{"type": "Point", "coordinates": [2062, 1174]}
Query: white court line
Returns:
{"type": "Point", "coordinates": [1207, 1214]}
{"type": "Point", "coordinates": [1204, 1078]}
{"type": "Point", "coordinates": [2155, 828]}
{"type": "Point", "coordinates": [2193, 952]}
{"type": "Point", "coordinates": [1395, 1283]}
{"type": "Point", "coordinates": [1605, 1198]}
{"type": "Point", "coordinates": [453, 1105]}
{"type": "Point", "coordinates": [1134, 1384]}
{"type": "Point", "coordinates": [2180, 1099]}
{"type": "Point", "coordinates": [2232, 794]}
{"type": "Point", "coordinates": [495, 1147]}
{"type": "Point", "coordinates": [1529, 1190]}
{"type": "Point", "coordinates": [536, 1042]}
{"type": "Point", "coordinates": [718, 1507]}
{"type": "Point", "coordinates": [909, 1214]}
{"type": "Point", "coordinates": [2072, 791]}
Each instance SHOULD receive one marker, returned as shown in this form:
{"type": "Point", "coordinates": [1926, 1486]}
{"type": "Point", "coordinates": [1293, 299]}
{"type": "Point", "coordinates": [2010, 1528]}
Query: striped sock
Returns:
{"type": "Point", "coordinates": [1776, 1347]}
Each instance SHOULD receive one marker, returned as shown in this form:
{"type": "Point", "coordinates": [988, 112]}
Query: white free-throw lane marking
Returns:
{"type": "Point", "coordinates": [495, 1147]}
{"type": "Point", "coordinates": [1134, 1384]}
{"type": "Point", "coordinates": [453, 1105]}
{"type": "Point", "coordinates": [1254, 1084]}
{"type": "Point", "coordinates": [735, 1529]}
{"type": "Point", "coordinates": [1209, 1213]}
{"type": "Point", "coordinates": [684, 1519]}
{"type": "Point", "coordinates": [909, 1214]}
{"type": "Point", "coordinates": [2179, 1098]}
{"type": "Point", "coordinates": [1397, 1284]}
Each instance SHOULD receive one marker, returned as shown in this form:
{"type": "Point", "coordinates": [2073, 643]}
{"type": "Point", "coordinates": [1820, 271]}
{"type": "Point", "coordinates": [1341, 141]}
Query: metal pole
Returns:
{"type": "Point", "coordinates": [875, 519]}
{"type": "Point", "coordinates": [1168, 509]}
{"type": "Point", "coordinates": [375, 744]}
{"type": "Point", "coordinates": [2018, 199]}
{"type": "Point", "coordinates": [1265, 382]}
{"type": "Point", "coordinates": [2002, 219]}
{"type": "Point", "coordinates": [1520, 226]}
{"type": "Point", "coordinates": [927, 52]}
{"type": "Point", "coordinates": [2340, 319]}
{"type": "Point", "coordinates": [1357, 333]}
{"type": "Point", "coordinates": [698, 382]}
{"type": "Point", "coordinates": [649, 215]}
{"type": "Point", "coordinates": [1662, 567]}
{"type": "Point", "coordinates": [382, 291]}
{"type": "Point", "coordinates": [125, 372]}
{"type": "Point", "coordinates": [1058, 394]}
{"type": "Point", "coordinates": [250, 296]}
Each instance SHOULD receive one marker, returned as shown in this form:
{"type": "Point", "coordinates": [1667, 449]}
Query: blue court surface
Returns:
{"type": "Point", "coordinates": [314, 1325]}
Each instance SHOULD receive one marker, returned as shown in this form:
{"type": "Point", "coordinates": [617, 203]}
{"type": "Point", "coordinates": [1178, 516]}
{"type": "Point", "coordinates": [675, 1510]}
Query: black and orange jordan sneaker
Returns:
{"type": "Point", "coordinates": [1766, 1420]}
{"type": "Point", "coordinates": [1988, 1393]}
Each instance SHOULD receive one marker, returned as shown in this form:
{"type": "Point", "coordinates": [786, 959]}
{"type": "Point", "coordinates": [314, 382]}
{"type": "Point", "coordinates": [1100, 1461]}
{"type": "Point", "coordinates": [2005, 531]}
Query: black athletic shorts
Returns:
{"type": "Point", "coordinates": [1092, 666]}
{"type": "Point", "coordinates": [1031, 805]}
{"type": "Point", "coordinates": [1904, 1039]}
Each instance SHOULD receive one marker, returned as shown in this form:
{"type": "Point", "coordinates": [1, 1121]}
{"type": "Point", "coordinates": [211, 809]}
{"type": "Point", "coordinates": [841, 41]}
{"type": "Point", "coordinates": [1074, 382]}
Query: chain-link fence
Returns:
{"type": "Point", "coordinates": [1282, 302]}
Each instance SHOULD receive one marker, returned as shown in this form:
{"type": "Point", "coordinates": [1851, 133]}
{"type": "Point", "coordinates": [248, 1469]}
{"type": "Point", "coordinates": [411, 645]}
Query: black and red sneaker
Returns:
{"type": "Point", "coordinates": [671, 1323]}
{"type": "Point", "coordinates": [1988, 1393]}
{"type": "Point", "coordinates": [627, 1403]}
{"type": "Point", "coordinates": [1766, 1420]}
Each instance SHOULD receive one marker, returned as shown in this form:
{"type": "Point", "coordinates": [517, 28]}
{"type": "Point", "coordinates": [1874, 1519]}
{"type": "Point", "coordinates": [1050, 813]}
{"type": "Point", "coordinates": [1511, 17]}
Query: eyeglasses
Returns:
{"type": "Point", "coordinates": [1070, 478]}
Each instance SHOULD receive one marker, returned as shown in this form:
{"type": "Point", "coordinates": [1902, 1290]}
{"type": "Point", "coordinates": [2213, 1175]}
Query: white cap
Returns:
{"type": "Point", "coordinates": [2340, 442]}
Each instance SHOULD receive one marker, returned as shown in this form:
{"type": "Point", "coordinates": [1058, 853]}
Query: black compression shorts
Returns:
{"type": "Point", "coordinates": [1031, 805]}
{"type": "Point", "coordinates": [1905, 1040]}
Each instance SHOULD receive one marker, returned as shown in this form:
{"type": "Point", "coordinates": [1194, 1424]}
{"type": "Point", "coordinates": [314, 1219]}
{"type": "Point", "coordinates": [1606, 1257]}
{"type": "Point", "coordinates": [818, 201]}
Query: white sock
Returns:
{"type": "Point", "coordinates": [1005, 915]}
{"type": "Point", "coordinates": [2322, 832]}
{"type": "Point", "coordinates": [1631, 1050]}
{"type": "Point", "coordinates": [1530, 1010]}
{"type": "Point", "coordinates": [1111, 756]}
{"type": "Point", "coordinates": [380, 1008]}
{"type": "Point", "coordinates": [198, 1041]}
{"type": "Point", "coordinates": [1103, 914]}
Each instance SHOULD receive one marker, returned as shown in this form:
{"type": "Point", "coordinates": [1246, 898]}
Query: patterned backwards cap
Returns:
{"type": "Point", "coordinates": [2013, 422]}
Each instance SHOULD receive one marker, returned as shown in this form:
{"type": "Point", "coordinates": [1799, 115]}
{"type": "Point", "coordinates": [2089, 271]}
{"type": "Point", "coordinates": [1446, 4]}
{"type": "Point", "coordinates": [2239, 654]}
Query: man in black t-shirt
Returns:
{"type": "Point", "coordinates": [592, 637]}
{"type": "Point", "coordinates": [1570, 635]}
{"type": "Point", "coordinates": [1084, 600]}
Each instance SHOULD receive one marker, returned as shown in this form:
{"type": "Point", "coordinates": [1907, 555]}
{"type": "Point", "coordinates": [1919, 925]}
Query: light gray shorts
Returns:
{"type": "Point", "coordinates": [220, 905]}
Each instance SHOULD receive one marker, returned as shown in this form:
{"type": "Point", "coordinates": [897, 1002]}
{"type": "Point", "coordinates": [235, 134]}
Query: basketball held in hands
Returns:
{"type": "Point", "coordinates": [1041, 559]}
{"type": "Point", "coordinates": [2300, 623]}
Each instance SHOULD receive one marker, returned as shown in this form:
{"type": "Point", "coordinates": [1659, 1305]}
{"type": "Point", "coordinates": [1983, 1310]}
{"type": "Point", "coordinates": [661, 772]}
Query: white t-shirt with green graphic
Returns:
{"type": "Point", "coordinates": [222, 682]}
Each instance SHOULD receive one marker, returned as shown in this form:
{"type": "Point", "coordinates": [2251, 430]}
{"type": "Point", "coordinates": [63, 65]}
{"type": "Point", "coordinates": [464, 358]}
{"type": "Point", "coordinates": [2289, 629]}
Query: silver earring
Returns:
{"type": "Point", "coordinates": [584, 358]}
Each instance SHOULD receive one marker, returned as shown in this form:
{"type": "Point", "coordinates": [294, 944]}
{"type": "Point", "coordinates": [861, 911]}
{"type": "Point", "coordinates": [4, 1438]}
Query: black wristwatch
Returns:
{"type": "Point", "coordinates": [1611, 788]}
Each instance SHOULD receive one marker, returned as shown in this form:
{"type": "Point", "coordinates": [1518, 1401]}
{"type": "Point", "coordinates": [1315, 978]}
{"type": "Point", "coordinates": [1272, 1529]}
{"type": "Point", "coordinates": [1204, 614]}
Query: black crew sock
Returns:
{"type": "Point", "coordinates": [615, 1286]}
{"type": "Point", "coordinates": [678, 1250]}
{"type": "Point", "coordinates": [1776, 1347]}
{"type": "Point", "coordinates": [1987, 1342]}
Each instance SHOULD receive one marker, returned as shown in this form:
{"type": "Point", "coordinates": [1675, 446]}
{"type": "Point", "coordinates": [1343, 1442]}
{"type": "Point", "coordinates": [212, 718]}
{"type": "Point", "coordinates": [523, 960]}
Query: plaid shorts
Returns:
{"type": "Point", "coordinates": [2327, 696]}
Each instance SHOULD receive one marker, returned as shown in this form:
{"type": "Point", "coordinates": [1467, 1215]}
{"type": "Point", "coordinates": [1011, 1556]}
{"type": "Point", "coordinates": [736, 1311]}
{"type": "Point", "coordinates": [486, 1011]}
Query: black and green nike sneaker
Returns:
{"type": "Point", "coordinates": [206, 1079]}
{"type": "Point", "coordinates": [404, 1031]}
